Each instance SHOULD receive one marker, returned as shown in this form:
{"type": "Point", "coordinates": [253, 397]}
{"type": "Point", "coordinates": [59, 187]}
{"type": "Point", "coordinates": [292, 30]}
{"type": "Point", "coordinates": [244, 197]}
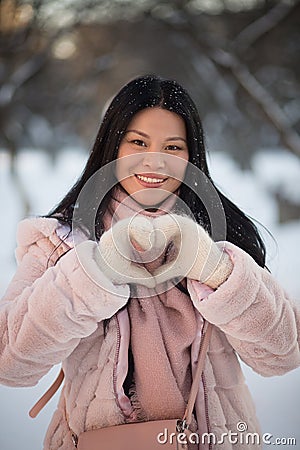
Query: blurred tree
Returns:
{"type": "Point", "coordinates": [61, 61]}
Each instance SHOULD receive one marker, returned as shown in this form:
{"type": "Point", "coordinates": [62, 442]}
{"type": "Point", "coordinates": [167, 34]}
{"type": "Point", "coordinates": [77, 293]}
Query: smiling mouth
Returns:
{"type": "Point", "coordinates": [150, 180]}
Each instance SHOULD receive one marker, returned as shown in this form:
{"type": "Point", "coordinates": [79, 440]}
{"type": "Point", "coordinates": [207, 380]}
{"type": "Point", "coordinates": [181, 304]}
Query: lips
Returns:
{"type": "Point", "coordinates": [152, 180]}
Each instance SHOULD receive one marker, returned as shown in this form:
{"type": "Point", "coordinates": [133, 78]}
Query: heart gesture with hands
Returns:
{"type": "Point", "coordinates": [194, 254]}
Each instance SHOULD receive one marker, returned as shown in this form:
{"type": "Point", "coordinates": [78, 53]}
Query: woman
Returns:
{"type": "Point", "coordinates": [118, 280]}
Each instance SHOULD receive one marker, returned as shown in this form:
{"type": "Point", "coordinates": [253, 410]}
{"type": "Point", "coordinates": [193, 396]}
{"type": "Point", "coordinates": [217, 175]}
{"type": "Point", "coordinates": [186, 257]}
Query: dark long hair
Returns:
{"type": "Point", "coordinates": [140, 93]}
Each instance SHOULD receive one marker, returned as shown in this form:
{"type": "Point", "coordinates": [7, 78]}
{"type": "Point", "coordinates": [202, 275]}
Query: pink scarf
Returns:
{"type": "Point", "coordinates": [163, 327]}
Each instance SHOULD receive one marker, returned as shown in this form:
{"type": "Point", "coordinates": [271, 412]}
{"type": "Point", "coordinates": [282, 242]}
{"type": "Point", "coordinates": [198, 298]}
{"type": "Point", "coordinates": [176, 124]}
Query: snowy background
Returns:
{"type": "Point", "coordinates": [277, 398]}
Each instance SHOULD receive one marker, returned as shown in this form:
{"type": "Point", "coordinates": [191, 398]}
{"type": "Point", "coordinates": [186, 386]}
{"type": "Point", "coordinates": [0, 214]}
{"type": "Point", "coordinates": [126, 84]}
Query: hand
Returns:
{"type": "Point", "coordinates": [195, 255]}
{"type": "Point", "coordinates": [118, 248]}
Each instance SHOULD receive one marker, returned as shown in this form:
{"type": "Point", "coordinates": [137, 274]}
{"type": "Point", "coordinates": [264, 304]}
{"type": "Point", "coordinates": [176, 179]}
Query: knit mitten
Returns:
{"type": "Point", "coordinates": [195, 254]}
{"type": "Point", "coordinates": [117, 249]}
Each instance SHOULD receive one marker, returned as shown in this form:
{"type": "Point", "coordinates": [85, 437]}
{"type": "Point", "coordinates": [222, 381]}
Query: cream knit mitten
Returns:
{"type": "Point", "coordinates": [116, 250]}
{"type": "Point", "coordinates": [196, 255]}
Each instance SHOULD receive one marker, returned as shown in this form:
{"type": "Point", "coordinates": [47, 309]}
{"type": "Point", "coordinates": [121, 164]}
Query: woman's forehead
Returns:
{"type": "Point", "coordinates": [158, 120]}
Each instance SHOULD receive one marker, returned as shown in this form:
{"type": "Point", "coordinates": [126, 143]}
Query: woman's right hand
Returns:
{"type": "Point", "coordinates": [117, 251]}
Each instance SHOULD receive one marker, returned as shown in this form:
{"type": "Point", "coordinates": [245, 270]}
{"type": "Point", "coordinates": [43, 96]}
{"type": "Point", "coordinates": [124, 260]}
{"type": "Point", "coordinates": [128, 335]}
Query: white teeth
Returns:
{"type": "Point", "coordinates": [150, 180]}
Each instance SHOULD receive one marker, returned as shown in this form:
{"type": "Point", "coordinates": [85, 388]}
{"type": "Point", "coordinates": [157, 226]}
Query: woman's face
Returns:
{"type": "Point", "coordinates": [152, 156]}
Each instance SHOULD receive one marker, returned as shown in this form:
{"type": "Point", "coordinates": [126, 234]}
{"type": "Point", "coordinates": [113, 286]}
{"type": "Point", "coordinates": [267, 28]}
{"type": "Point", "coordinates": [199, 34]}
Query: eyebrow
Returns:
{"type": "Point", "coordinates": [172, 138]}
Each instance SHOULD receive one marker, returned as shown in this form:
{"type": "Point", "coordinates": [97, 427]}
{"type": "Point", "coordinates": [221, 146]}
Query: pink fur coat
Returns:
{"type": "Point", "coordinates": [54, 313]}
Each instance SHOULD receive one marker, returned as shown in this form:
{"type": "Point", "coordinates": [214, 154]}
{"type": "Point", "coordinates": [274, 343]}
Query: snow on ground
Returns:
{"type": "Point", "coordinates": [276, 398]}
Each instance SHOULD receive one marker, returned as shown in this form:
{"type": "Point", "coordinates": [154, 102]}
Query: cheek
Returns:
{"type": "Point", "coordinates": [178, 169]}
{"type": "Point", "coordinates": [122, 162]}
{"type": "Point", "coordinates": [127, 164]}
{"type": "Point", "coordinates": [122, 168]}
{"type": "Point", "coordinates": [183, 167]}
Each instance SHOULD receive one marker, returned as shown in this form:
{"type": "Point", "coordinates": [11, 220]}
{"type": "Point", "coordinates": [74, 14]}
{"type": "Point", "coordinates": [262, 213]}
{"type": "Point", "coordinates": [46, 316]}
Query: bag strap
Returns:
{"type": "Point", "coordinates": [187, 418]}
{"type": "Point", "coordinates": [206, 334]}
{"type": "Point", "coordinates": [48, 395]}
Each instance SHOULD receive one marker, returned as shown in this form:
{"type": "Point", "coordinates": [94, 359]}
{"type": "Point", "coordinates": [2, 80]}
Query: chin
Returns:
{"type": "Point", "coordinates": [150, 198]}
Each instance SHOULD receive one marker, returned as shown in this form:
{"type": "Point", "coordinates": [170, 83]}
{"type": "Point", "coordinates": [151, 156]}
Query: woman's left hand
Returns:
{"type": "Point", "coordinates": [194, 254]}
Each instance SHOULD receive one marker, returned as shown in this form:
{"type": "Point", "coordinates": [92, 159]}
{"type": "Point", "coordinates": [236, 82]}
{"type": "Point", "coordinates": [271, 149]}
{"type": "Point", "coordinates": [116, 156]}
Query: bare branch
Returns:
{"type": "Point", "coordinates": [250, 84]}
{"type": "Point", "coordinates": [249, 35]}
{"type": "Point", "coordinates": [257, 92]}
{"type": "Point", "coordinates": [20, 76]}
{"type": "Point", "coordinates": [32, 66]}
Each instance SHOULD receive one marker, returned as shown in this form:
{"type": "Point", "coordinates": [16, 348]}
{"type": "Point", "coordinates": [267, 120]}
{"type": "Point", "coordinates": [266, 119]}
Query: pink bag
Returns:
{"type": "Point", "coordinates": [152, 435]}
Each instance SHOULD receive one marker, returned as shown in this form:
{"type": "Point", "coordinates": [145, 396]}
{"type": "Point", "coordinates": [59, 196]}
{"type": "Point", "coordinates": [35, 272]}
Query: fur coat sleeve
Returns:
{"type": "Point", "coordinates": [49, 307]}
{"type": "Point", "coordinates": [258, 318]}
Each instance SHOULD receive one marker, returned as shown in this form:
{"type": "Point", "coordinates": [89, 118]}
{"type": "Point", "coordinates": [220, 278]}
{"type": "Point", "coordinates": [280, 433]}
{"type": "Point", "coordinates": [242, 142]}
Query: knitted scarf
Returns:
{"type": "Point", "coordinates": [163, 327]}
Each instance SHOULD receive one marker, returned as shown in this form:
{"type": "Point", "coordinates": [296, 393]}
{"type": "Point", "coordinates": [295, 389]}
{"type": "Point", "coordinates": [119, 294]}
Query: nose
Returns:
{"type": "Point", "coordinates": [154, 160]}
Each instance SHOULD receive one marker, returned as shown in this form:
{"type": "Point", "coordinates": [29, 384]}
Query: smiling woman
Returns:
{"type": "Point", "coordinates": [150, 175]}
{"type": "Point", "coordinates": [122, 293]}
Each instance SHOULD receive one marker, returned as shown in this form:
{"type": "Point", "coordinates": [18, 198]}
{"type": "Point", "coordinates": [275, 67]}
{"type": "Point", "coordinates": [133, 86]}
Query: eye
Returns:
{"type": "Point", "coordinates": [173, 147]}
{"type": "Point", "coordinates": [138, 142]}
